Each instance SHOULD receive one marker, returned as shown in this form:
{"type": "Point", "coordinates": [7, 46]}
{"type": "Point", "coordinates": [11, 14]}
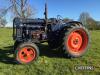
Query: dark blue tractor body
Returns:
{"type": "Point", "coordinates": [27, 29]}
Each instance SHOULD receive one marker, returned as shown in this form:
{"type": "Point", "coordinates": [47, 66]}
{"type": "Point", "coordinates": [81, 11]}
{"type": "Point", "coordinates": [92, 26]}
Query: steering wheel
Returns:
{"type": "Point", "coordinates": [59, 18]}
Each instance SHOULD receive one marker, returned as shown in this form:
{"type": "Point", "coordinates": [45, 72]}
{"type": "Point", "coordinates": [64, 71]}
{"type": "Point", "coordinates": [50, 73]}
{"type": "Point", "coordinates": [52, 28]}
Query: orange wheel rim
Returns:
{"type": "Point", "coordinates": [27, 54]}
{"type": "Point", "coordinates": [77, 41]}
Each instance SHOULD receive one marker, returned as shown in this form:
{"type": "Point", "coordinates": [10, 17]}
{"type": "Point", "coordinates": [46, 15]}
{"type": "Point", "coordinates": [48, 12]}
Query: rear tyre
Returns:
{"type": "Point", "coordinates": [76, 40]}
{"type": "Point", "coordinates": [26, 52]}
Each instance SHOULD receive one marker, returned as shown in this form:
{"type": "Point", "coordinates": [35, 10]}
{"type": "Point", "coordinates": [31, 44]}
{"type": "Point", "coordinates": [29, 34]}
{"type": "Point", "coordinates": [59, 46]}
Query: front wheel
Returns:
{"type": "Point", "coordinates": [76, 41]}
{"type": "Point", "coordinates": [26, 52]}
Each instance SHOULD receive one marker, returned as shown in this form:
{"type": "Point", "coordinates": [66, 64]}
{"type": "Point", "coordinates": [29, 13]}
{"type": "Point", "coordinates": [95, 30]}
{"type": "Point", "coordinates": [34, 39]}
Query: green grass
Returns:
{"type": "Point", "coordinates": [50, 62]}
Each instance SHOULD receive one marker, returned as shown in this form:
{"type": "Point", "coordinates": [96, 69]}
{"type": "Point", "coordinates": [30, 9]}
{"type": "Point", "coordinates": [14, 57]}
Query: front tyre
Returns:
{"type": "Point", "coordinates": [26, 52]}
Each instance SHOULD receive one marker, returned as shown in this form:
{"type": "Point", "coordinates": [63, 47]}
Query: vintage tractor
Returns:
{"type": "Point", "coordinates": [71, 36]}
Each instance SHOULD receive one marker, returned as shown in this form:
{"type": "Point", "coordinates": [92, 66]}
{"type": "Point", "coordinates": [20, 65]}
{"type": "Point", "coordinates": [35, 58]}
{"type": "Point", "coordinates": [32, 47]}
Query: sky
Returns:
{"type": "Point", "coordinates": [66, 8]}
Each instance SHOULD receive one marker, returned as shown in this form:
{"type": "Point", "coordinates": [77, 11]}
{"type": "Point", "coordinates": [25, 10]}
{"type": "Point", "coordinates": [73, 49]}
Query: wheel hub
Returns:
{"type": "Point", "coordinates": [27, 54]}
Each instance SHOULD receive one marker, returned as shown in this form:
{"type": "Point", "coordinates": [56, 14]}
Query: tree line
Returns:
{"type": "Point", "coordinates": [88, 21]}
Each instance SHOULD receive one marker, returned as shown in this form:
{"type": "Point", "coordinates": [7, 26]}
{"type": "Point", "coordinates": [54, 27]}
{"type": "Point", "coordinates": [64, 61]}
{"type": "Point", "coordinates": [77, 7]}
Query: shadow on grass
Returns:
{"type": "Point", "coordinates": [46, 51]}
{"type": "Point", "coordinates": [6, 55]}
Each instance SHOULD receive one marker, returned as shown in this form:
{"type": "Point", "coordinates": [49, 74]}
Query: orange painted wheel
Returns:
{"type": "Point", "coordinates": [76, 41]}
{"type": "Point", "coordinates": [26, 53]}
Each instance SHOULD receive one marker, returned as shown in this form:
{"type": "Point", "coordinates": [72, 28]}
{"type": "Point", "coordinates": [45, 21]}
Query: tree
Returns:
{"type": "Point", "coordinates": [3, 21]}
{"type": "Point", "coordinates": [22, 8]}
{"type": "Point", "coordinates": [83, 18]}
{"type": "Point", "coordinates": [87, 20]}
{"type": "Point", "coordinates": [92, 25]}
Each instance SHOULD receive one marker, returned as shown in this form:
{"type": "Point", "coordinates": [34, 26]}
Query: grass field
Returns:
{"type": "Point", "coordinates": [50, 62]}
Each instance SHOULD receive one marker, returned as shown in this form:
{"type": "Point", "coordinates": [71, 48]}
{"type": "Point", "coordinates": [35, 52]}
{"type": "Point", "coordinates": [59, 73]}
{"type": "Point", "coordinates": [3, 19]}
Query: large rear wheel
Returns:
{"type": "Point", "coordinates": [76, 40]}
{"type": "Point", "coordinates": [26, 52]}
